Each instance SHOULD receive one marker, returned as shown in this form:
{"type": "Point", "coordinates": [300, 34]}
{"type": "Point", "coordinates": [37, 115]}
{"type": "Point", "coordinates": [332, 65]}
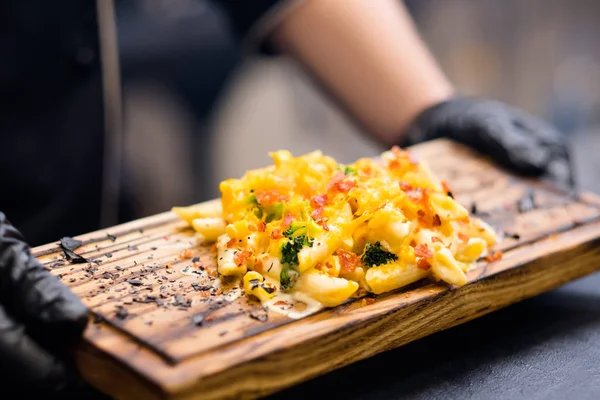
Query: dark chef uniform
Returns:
{"type": "Point", "coordinates": [52, 125]}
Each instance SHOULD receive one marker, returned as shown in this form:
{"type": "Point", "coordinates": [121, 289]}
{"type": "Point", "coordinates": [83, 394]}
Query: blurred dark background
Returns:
{"type": "Point", "coordinates": [198, 110]}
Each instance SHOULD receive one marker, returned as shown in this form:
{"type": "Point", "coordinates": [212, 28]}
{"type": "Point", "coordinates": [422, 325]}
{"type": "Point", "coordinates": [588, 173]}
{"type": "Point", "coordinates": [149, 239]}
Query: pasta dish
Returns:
{"type": "Point", "coordinates": [308, 227]}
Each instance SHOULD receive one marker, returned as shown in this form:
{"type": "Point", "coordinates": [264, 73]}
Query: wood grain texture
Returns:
{"type": "Point", "coordinates": [145, 340]}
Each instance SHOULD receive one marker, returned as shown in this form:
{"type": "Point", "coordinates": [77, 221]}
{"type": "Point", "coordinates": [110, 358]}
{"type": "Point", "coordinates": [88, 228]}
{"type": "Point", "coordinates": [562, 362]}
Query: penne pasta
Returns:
{"type": "Point", "coordinates": [385, 278]}
{"type": "Point", "coordinates": [327, 290]}
{"type": "Point", "coordinates": [211, 209]}
{"type": "Point", "coordinates": [209, 229]}
{"type": "Point", "coordinates": [227, 265]}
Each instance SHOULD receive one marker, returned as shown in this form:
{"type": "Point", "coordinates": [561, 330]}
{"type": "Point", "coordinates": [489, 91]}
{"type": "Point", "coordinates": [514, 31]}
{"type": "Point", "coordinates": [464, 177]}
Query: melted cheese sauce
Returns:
{"type": "Point", "coordinates": [293, 305]}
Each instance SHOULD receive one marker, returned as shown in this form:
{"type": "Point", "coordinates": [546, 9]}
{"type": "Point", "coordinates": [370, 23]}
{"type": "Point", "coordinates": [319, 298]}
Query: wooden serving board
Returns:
{"type": "Point", "coordinates": [158, 333]}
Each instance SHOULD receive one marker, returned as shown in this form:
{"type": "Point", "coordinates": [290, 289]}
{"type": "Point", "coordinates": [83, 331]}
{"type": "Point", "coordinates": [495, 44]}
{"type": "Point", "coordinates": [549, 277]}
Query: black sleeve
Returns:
{"type": "Point", "coordinates": [253, 20]}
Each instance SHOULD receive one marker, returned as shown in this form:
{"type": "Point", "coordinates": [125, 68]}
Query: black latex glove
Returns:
{"type": "Point", "coordinates": [40, 320]}
{"type": "Point", "coordinates": [509, 136]}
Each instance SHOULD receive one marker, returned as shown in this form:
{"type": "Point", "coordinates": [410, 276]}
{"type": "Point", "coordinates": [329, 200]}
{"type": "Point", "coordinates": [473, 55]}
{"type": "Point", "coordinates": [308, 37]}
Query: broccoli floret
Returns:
{"type": "Point", "coordinates": [294, 227]}
{"type": "Point", "coordinates": [287, 276]}
{"type": "Point", "coordinates": [290, 250]}
{"type": "Point", "coordinates": [350, 171]}
{"type": "Point", "coordinates": [289, 260]}
{"type": "Point", "coordinates": [274, 212]}
{"type": "Point", "coordinates": [375, 255]}
{"type": "Point", "coordinates": [252, 199]}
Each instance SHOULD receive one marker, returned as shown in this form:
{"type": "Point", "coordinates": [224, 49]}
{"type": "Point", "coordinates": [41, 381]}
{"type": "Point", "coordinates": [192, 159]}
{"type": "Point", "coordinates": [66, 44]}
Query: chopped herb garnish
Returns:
{"type": "Point", "coordinates": [121, 313]}
{"type": "Point", "coordinates": [527, 202]}
{"type": "Point", "coordinates": [259, 315]}
{"type": "Point", "coordinates": [274, 212]}
{"type": "Point", "coordinates": [474, 208]}
{"type": "Point", "coordinates": [254, 283]}
{"type": "Point", "coordinates": [376, 255]}
{"type": "Point", "coordinates": [268, 289]}
{"type": "Point", "coordinates": [197, 319]}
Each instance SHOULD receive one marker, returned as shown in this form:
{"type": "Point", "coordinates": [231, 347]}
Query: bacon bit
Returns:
{"type": "Point", "coordinates": [348, 260]}
{"type": "Point", "coordinates": [318, 201]}
{"type": "Point", "coordinates": [369, 301]}
{"type": "Point", "coordinates": [317, 215]}
{"type": "Point", "coordinates": [462, 237]}
{"type": "Point", "coordinates": [213, 248]}
{"type": "Point", "coordinates": [445, 187]}
{"type": "Point", "coordinates": [415, 195]}
{"type": "Point", "coordinates": [412, 243]}
{"type": "Point", "coordinates": [252, 228]}
{"type": "Point", "coordinates": [436, 239]}
{"type": "Point", "coordinates": [169, 266]}
{"type": "Point", "coordinates": [423, 251]}
{"type": "Point", "coordinates": [325, 227]}
{"type": "Point", "coordinates": [346, 185]}
{"type": "Point", "coordinates": [366, 171]}
{"type": "Point", "coordinates": [423, 264]}
{"type": "Point", "coordinates": [276, 234]}
{"type": "Point", "coordinates": [287, 221]}
{"type": "Point", "coordinates": [261, 226]}
{"type": "Point", "coordinates": [281, 303]}
{"type": "Point", "coordinates": [335, 179]}
{"type": "Point", "coordinates": [258, 266]}
{"type": "Point", "coordinates": [436, 220]}
{"type": "Point", "coordinates": [241, 257]}
{"type": "Point", "coordinates": [269, 197]}
{"type": "Point", "coordinates": [393, 164]}
{"type": "Point", "coordinates": [204, 294]}
{"type": "Point", "coordinates": [497, 255]}
{"type": "Point", "coordinates": [426, 193]}
{"type": "Point", "coordinates": [231, 243]}
{"type": "Point", "coordinates": [209, 318]}
{"type": "Point", "coordinates": [187, 253]}
{"type": "Point", "coordinates": [211, 270]}
{"type": "Point", "coordinates": [329, 268]}
{"type": "Point", "coordinates": [197, 264]}
{"type": "Point", "coordinates": [339, 183]}
{"type": "Point", "coordinates": [405, 186]}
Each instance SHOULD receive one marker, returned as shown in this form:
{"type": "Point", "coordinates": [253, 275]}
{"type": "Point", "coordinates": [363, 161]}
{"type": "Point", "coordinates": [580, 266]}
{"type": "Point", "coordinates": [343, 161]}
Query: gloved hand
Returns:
{"type": "Point", "coordinates": [40, 319]}
{"type": "Point", "coordinates": [509, 136]}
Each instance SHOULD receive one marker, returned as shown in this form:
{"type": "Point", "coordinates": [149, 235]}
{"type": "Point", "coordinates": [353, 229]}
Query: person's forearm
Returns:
{"type": "Point", "coordinates": [369, 55]}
